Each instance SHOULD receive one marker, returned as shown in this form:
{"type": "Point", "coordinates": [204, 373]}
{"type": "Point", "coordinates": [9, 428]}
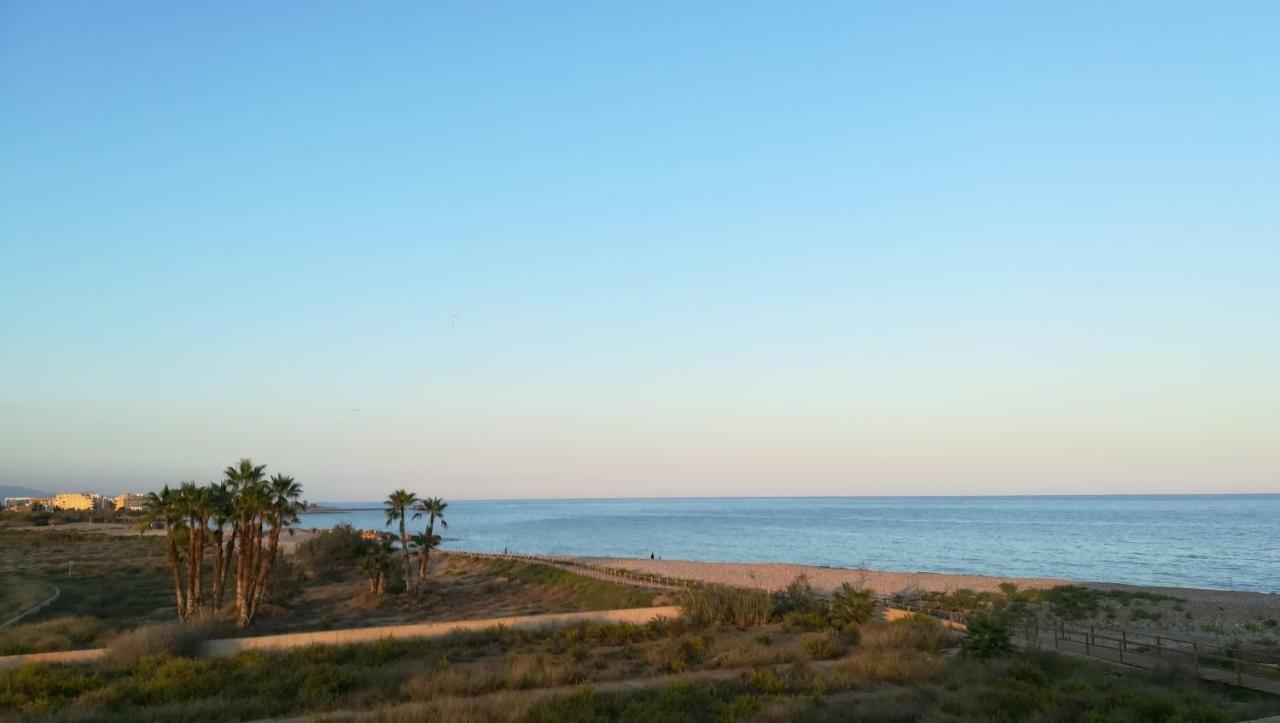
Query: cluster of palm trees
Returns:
{"type": "Point", "coordinates": [240, 520]}
{"type": "Point", "coordinates": [402, 506]}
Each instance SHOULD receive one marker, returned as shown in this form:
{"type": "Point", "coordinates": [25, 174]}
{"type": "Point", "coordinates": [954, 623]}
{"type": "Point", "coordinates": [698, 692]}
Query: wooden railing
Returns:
{"type": "Point", "coordinates": [1102, 642]}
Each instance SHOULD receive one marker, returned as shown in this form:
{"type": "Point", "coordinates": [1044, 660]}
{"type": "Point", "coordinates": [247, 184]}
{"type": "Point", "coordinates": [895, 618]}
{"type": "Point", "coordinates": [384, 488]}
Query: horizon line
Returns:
{"type": "Point", "coordinates": [836, 497]}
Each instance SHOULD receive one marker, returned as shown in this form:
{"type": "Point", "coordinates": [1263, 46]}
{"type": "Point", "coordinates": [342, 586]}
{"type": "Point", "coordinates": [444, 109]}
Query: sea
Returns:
{"type": "Point", "coordinates": [1228, 542]}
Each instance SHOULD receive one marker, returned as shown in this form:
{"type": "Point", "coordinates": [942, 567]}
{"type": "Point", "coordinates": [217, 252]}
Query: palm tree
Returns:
{"type": "Point", "coordinates": [196, 504]}
{"type": "Point", "coordinates": [433, 507]}
{"type": "Point", "coordinates": [222, 499]}
{"type": "Point", "coordinates": [425, 542]}
{"type": "Point", "coordinates": [399, 504]}
{"type": "Point", "coordinates": [375, 563]}
{"type": "Point", "coordinates": [281, 512]}
{"type": "Point", "coordinates": [163, 507]}
{"type": "Point", "coordinates": [251, 504]}
{"type": "Point", "coordinates": [243, 475]}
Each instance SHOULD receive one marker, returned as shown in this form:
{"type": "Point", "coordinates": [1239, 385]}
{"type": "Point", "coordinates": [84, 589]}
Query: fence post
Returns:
{"type": "Point", "coordinates": [1195, 653]}
{"type": "Point", "coordinates": [1057, 629]}
{"type": "Point", "coordinates": [1157, 646]}
{"type": "Point", "coordinates": [1123, 643]}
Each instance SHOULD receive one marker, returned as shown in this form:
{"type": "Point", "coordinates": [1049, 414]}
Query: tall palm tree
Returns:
{"type": "Point", "coordinates": [222, 514]}
{"type": "Point", "coordinates": [424, 541]}
{"type": "Point", "coordinates": [398, 505]}
{"type": "Point", "coordinates": [196, 504]}
{"type": "Point", "coordinates": [163, 507]}
{"type": "Point", "coordinates": [251, 504]}
{"type": "Point", "coordinates": [281, 512]}
{"type": "Point", "coordinates": [244, 474]}
{"type": "Point", "coordinates": [433, 508]}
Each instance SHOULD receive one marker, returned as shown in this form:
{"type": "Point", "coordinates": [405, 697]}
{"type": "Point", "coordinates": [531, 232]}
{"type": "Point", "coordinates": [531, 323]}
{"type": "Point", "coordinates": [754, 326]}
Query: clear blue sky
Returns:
{"type": "Point", "coordinates": [547, 249]}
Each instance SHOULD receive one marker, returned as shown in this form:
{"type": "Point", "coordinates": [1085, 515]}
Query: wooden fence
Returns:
{"type": "Point", "coordinates": [1118, 643]}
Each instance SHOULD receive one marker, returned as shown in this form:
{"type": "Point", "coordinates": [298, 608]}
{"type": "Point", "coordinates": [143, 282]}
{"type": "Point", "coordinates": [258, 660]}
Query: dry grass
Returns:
{"type": "Point", "coordinates": [46, 636]}
{"type": "Point", "coordinates": [917, 632]}
{"type": "Point", "coordinates": [175, 639]}
{"type": "Point", "coordinates": [889, 665]}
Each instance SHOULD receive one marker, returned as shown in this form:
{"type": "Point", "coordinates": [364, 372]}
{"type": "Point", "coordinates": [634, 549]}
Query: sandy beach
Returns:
{"type": "Point", "coordinates": [1190, 612]}
{"type": "Point", "coordinates": [775, 575]}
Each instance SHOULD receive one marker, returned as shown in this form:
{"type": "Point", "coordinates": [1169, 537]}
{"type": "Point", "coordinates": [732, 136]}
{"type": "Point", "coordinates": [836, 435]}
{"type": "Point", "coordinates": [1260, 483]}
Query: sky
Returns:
{"type": "Point", "coordinates": [593, 249]}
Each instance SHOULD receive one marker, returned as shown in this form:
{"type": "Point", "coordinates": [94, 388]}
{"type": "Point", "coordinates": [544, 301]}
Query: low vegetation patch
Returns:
{"type": "Point", "coordinates": [18, 594]}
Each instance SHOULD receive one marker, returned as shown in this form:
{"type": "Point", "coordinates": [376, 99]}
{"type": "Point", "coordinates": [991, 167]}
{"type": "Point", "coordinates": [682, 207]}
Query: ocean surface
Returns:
{"type": "Point", "coordinates": [1227, 542]}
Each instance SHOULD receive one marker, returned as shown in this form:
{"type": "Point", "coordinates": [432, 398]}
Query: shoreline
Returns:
{"type": "Point", "coordinates": [760, 574]}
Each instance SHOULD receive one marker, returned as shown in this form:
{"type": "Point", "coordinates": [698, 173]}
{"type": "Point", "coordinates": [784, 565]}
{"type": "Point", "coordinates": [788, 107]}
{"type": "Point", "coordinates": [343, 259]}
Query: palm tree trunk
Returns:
{"type": "Point", "coordinates": [404, 551]}
{"type": "Point", "coordinates": [269, 558]}
{"type": "Point", "coordinates": [424, 555]}
{"type": "Point", "coordinates": [196, 603]}
{"type": "Point", "coordinates": [244, 574]}
{"type": "Point", "coordinates": [431, 535]}
{"type": "Point", "coordinates": [217, 568]}
{"type": "Point", "coordinates": [175, 566]}
{"type": "Point", "coordinates": [220, 577]}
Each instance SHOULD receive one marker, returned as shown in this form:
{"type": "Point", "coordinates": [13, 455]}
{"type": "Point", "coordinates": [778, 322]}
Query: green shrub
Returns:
{"type": "Point", "coordinates": [804, 621]}
{"type": "Point", "coordinates": [676, 655]}
{"type": "Point", "coordinates": [332, 552]}
{"type": "Point", "coordinates": [851, 606]}
{"type": "Point", "coordinates": [64, 633]}
{"type": "Point", "coordinates": [722, 605]}
{"type": "Point", "coordinates": [824, 646]}
{"type": "Point", "coordinates": [286, 581]}
{"type": "Point", "coordinates": [766, 681]}
{"type": "Point", "coordinates": [989, 636]}
{"type": "Point", "coordinates": [798, 596]}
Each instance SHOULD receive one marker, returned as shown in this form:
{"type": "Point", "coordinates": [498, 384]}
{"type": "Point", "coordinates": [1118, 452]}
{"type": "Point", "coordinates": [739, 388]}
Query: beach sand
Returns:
{"type": "Point", "coordinates": [1193, 613]}
{"type": "Point", "coordinates": [775, 575]}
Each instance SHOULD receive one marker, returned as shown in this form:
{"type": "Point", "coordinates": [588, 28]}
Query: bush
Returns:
{"type": "Point", "coordinates": [798, 596]}
{"type": "Point", "coordinates": [766, 681]}
{"type": "Point", "coordinates": [804, 621]}
{"type": "Point", "coordinates": [677, 655]}
{"type": "Point", "coordinates": [65, 633]}
{"type": "Point", "coordinates": [722, 605]}
{"type": "Point", "coordinates": [989, 636]}
{"type": "Point", "coordinates": [175, 639]}
{"type": "Point", "coordinates": [824, 646]}
{"type": "Point", "coordinates": [915, 632]}
{"type": "Point", "coordinates": [333, 552]}
{"type": "Point", "coordinates": [851, 606]}
{"type": "Point", "coordinates": [285, 582]}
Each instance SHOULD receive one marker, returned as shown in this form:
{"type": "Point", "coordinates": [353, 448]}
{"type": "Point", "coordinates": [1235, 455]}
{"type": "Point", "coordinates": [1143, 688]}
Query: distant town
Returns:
{"type": "Point", "coordinates": [78, 501]}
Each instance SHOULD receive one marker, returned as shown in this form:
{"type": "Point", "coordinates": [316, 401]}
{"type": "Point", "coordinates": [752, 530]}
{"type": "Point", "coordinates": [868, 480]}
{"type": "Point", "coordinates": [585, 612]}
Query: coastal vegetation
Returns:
{"type": "Point", "coordinates": [733, 653]}
{"type": "Point", "coordinates": [195, 518]}
{"type": "Point", "coordinates": [118, 582]}
{"type": "Point", "coordinates": [893, 671]}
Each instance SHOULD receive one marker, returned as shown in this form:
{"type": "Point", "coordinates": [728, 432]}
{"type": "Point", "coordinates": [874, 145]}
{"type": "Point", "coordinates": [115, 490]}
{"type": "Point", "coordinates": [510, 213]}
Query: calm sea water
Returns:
{"type": "Point", "coordinates": [1213, 541]}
